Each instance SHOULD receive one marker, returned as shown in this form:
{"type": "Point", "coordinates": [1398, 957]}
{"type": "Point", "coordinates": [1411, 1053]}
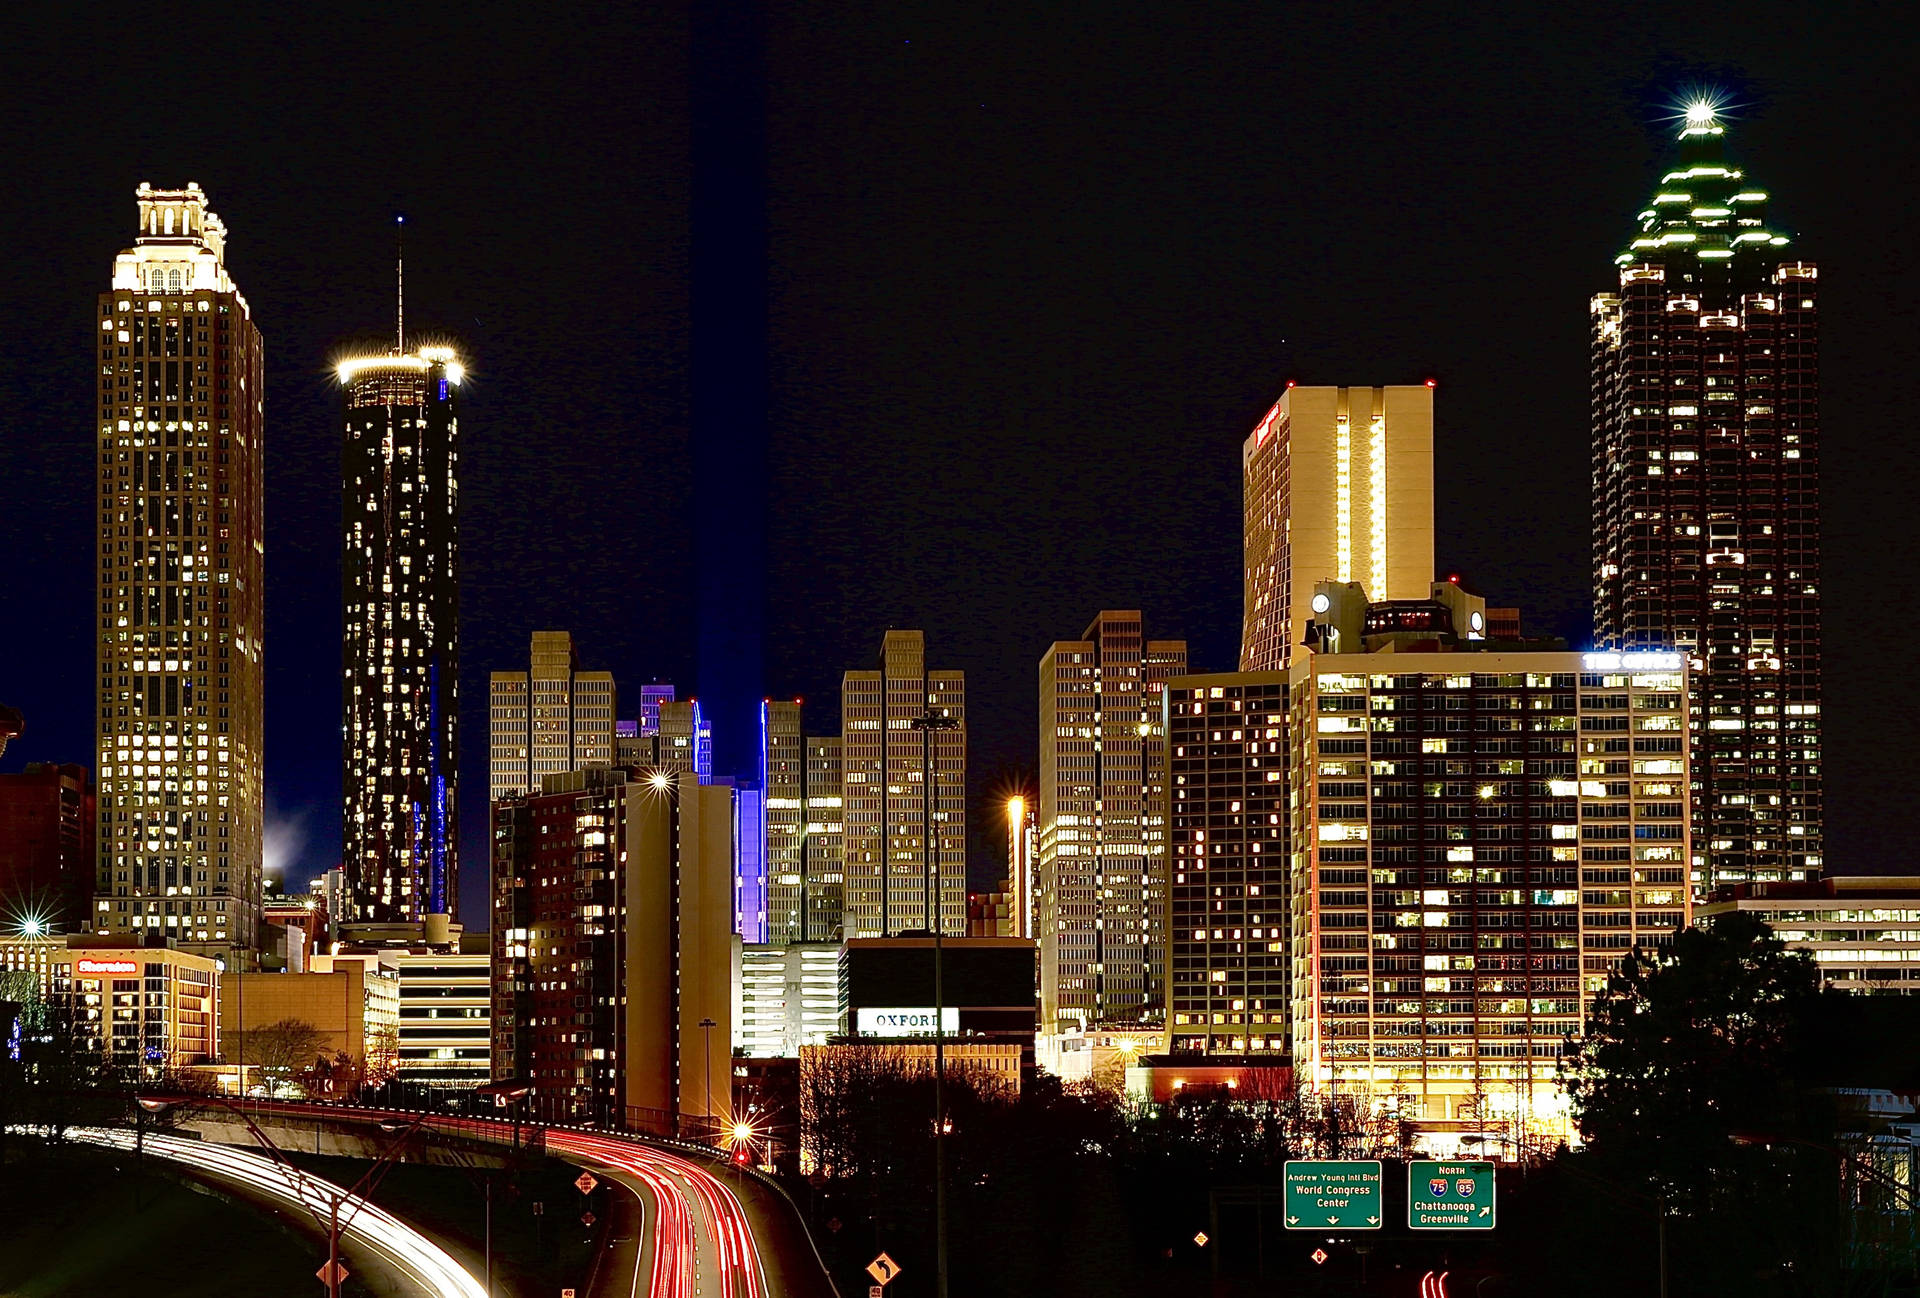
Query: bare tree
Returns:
{"type": "Point", "coordinates": [282, 1051]}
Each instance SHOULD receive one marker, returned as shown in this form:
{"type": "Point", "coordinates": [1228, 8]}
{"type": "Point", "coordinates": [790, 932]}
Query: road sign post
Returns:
{"type": "Point", "coordinates": [1450, 1194]}
{"type": "Point", "coordinates": [1333, 1194]}
{"type": "Point", "coordinates": [883, 1269]}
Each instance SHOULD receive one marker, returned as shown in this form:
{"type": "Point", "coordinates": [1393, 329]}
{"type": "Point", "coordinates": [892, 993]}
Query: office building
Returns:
{"type": "Point", "coordinates": [822, 848]}
{"type": "Point", "coordinates": [801, 778]}
{"type": "Point", "coordinates": [789, 998]}
{"type": "Point", "coordinates": [991, 914]}
{"type": "Point", "coordinates": [989, 986]}
{"type": "Point", "coordinates": [400, 588]}
{"type": "Point", "coordinates": [783, 771]}
{"type": "Point", "coordinates": [750, 883]}
{"type": "Point", "coordinates": [1480, 831]}
{"type": "Point", "coordinates": [180, 570]}
{"type": "Point", "coordinates": [884, 856]}
{"type": "Point", "coordinates": [1863, 931]}
{"type": "Point", "coordinates": [1706, 500]}
{"type": "Point", "coordinates": [47, 849]}
{"type": "Point", "coordinates": [353, 1000]}
{"type": "Point", "coordinates": [548, 720]}
{"type": "Point", "coordinates": [1101, 869]}
{"type": "Point", "coordinates": [1338, 487]}
{"type": "Point", "coordinates": [613, 945]}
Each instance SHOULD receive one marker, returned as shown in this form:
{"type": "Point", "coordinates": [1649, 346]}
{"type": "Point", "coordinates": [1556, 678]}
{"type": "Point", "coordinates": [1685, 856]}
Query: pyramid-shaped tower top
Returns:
{"type": "Point", "coordinates": [1704, 207]}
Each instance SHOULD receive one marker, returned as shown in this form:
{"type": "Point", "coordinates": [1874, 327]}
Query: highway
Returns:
{"type": "Point", "coordinates": [696, 1240]}
{"type": "Point", "coordinates": [702, 1242]}
{"type": "Point", "coordinates": [369, 1226]}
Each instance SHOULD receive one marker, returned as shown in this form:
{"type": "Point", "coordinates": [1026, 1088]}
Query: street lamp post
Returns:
{"type": "Point", "coordinates": [706, 1035]}
{"type": "Point", "coordinates": [926, 723]}
{"type": "Point", "coordinates": [330, 1222]}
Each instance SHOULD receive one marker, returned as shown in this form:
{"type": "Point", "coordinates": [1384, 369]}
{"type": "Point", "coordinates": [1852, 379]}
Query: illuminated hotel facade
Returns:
{"type": "Point", "coordinates": [885, 864]}
{"type": "Point", "coordinates": [1480, 831]}
{"type": "Point", "coordinates": [180, 569]}
{"type": "Point", "coordinates": [1706, 520]}
{"type": "Point", "coordinates": [399, 569]}
{"type": "Point", "coordinates": [1101, 866]}
{"type": "Point", "coordinates": [1338, 486]}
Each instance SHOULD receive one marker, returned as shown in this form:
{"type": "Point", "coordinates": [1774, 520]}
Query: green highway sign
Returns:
{"type": "Point", "coordinates": [1450, 1194]}
{"type": "Point", "coordinates": [1328, 1195]}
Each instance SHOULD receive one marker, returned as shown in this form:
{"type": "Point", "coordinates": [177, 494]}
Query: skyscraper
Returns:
{"type": "Point", "coordinates": [1101, 867]}
{"type": "Point", "coordinates": [822, 850]}
{"type": "Point", "coordinates": [548, 720]}
{"type": "Point", "coordinates": [400, 588]}
{"type": "Point", "coordinates": [1706, 518]}
{"type": "Point", "coordinates": [885, 864]}
{"type": "Point", "coordinates": [613, 943]}
{"type": "Point", "coordinates": [180, 577]}
{"type": "Point", "coordinates": [1228, 974]}
{"type": "Point", "coordinates": [1338, 487]}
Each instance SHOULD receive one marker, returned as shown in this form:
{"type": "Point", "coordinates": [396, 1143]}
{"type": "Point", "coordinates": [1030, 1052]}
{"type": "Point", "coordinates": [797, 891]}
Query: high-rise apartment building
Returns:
{"type": "Point", "coordinates": [613, 941]}
{"type": "Point", "coordinates": [1338, 487]}
{"type": "Point", "coordinates": [180, 551]}
{"type": "Point", "coordinates": [1101, 868]}
{"type": "Point", "coordinates": [1706, 500]}
{"type": "Point", "coordinates": [400, 588]}
{"type": "Point", "coordinates": [47, 849]}
{"type": "Point", "coordinates": [1480, 831]}
{"type": "Point", "coordinates": [548, 720]}
{"type": "Point", "coordinates": [885, 860]}
{"type": "Point", "coordinates": [1228, 972]}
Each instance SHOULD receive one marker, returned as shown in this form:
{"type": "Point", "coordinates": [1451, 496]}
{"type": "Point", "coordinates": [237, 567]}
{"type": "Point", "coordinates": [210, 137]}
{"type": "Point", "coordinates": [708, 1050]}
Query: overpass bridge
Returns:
{"type": "Point", "coordinates": [708, 1226]}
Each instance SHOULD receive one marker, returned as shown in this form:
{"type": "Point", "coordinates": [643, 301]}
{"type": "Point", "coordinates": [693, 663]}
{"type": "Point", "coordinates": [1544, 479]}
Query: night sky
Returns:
{"type": "Point", "coordinates": [784, 330]}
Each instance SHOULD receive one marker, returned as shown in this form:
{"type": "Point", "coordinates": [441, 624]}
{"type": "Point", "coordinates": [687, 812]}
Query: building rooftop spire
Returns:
{"type": "Point", "coordinates": [1704, 206]}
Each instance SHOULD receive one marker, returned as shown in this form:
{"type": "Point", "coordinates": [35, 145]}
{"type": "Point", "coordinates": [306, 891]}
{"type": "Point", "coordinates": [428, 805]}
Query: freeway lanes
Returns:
{"type": "Point", "coordinates": [702, 1242]}
{"type": "Point", "coordinates": [405, 1249]}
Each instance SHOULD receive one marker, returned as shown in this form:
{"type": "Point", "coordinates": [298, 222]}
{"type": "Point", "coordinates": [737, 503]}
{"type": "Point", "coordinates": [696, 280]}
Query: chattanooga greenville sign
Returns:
{"type": "Point", "coordinates": [913, 1022]}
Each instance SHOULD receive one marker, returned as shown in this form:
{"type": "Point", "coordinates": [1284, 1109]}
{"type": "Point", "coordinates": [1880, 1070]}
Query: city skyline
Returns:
{"type": "Point", "coordinates": [1237, 386]}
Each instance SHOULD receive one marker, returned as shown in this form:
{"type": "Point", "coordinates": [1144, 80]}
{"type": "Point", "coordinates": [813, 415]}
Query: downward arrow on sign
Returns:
{"type": "Point", "coordinates": [1373, 1221]}
{"type": "Point", "coordinates": [1333, 1221]}
{"type": "Point", "coordinates": [1293, 1221]}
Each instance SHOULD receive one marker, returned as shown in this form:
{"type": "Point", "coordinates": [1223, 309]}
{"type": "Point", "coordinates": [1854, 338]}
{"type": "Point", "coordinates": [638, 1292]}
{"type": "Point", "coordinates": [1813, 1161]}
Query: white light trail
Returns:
{"type": "Point", "coordinates": [370, 1225]}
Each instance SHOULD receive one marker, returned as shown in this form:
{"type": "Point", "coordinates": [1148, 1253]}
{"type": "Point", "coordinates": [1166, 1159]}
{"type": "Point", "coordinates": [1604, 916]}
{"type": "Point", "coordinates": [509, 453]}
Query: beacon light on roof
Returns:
{"type": "Point", "coordinates": [1632, 662]}
{"type": "Point", "coordinates": [348, 371]}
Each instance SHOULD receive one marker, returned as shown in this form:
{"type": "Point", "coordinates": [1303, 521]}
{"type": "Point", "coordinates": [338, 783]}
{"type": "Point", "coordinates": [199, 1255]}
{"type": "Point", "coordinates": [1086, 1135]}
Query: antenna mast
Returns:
{"type": "Point", "coordinates": [399, 284]}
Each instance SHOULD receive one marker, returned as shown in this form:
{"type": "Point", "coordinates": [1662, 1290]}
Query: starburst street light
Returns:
{"type": "Point", "coordinates": [1701, 113]}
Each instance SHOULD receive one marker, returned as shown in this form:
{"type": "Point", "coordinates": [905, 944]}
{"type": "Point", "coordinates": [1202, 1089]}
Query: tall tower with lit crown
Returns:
{"type": "Point", "coordinates": [1706, 503]}
{"type": "Point", "coordinates": [180, 556]}
{"type": "Point", "coordinates": [399, 567]}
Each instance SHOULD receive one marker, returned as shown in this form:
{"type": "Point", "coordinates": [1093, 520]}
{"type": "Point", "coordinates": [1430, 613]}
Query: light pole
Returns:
{"type": "Point", "coordinates": [706, 1035]}
{"type": "Point", "coordinates": [926, 723]}
{"type": "Point", "coordinates": [329, 1222]}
